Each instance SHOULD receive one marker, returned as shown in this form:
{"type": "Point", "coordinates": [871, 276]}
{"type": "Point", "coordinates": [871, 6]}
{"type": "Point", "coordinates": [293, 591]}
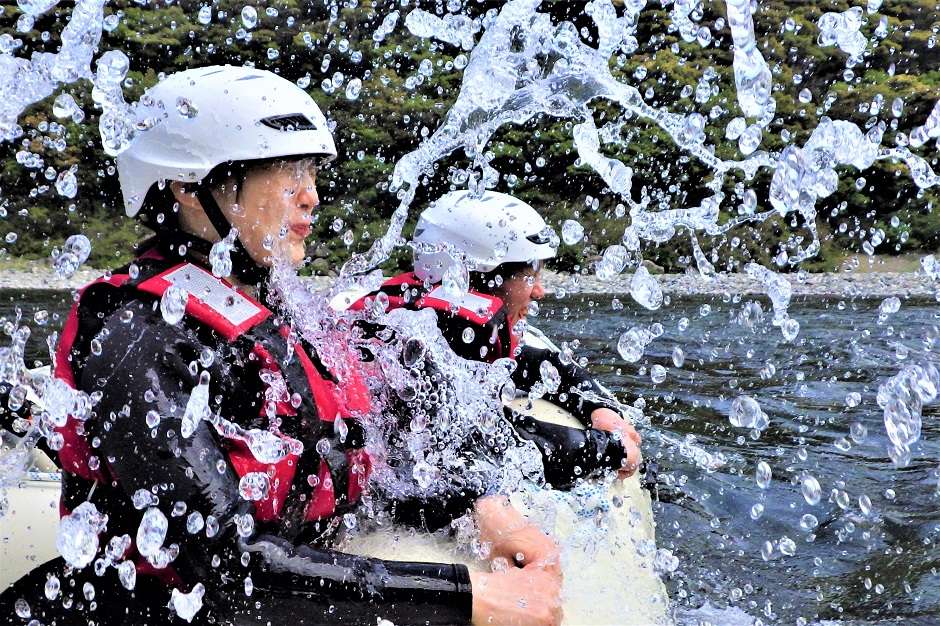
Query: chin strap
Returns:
{"type": "Point", "coordinates": [243, 266]}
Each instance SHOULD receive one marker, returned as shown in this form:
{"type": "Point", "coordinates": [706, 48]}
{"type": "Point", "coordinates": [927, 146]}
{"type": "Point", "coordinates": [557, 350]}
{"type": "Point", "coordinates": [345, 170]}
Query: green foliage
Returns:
{"type": "Point", "coordinates": [399, 105]}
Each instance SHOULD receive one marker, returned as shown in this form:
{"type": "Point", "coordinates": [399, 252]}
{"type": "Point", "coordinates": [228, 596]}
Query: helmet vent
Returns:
{"type": "Point", "coordinates": [289, 122]}
{"type": "Point", "coordinates": [540, 238]}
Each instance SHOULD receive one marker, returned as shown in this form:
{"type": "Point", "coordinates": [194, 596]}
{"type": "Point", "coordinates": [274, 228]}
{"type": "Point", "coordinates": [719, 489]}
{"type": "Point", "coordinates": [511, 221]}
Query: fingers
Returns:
{"type": "Point", "coordinates": [549, 605]}
{"type": "Point", "coordinates": [516, 597]}
{"type": "Point", "coordinates": [548, 560]}
{"type": "Point", "coordinates": [631, 461]}
{"type": "Point", "coordinates": [634, 436]}
{"type": "Point", "coordinates": [606, 419]}
{"type": "Point", "coordinates": [533, 548]}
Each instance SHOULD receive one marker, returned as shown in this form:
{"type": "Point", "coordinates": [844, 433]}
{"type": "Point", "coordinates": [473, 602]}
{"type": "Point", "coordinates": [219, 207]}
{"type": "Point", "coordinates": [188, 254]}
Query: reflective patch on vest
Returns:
{"type": "Point", "coordinates": [469, 301]}
{"type": "Point", "coordinates": [212, 300]}
{"type": "Point", "coordinates": [221, 298]}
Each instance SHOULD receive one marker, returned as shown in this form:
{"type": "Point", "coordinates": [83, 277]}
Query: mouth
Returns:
{"type": "Point", "coordinates": [301, 229]}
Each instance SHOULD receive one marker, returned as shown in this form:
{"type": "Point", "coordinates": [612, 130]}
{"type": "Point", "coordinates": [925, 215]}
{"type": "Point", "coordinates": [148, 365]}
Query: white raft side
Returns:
{"type": "Point", "coordinates": [607, 581]}
{"type": "Point", "coordinates": [29, 526]}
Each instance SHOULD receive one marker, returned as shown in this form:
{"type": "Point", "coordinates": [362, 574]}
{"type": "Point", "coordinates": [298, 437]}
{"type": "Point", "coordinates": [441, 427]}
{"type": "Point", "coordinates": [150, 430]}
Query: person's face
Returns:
{"type": "Point", "coordinates": [274, 211]}
{"type": "Point", "coordinates": [519, 291]}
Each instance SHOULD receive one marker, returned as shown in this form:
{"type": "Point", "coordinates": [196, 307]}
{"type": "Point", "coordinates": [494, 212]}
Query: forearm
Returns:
{"type": "Point", "coordinates": [574, 383]}
{"type": "Point", "coordinates": [569, 454]}
{"type": "Point", "coordinates": [437, 513]}
{"type": "Point", "coordinates": [336, 588]}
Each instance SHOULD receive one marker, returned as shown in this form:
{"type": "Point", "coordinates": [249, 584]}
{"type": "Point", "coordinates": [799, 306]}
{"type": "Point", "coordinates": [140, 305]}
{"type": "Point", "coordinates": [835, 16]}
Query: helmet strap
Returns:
{"type": "Point", "coordinates": [243, 266]}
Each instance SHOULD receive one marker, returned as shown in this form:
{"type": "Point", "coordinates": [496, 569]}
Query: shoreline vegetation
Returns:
{"type": "Point", "coordinates": [873, 281]}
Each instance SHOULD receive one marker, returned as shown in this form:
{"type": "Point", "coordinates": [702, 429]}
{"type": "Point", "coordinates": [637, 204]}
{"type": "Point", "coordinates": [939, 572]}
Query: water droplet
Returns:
{"type": "Point", "coordinates": [763, 475]}
{"type": "Point", "coordinates": [550, 377]}
{"type": "Point", "coordinates": [142, 499]}
{"type": "Point", "coordinates": [632, 344]}
{"type": "Point", "coordinates": [786, 546]}
{"type": "Point", "coordinates": [197, 407]}
{"type": "Point", "coordinates": [194, 522]}
{"type": "Point", "coordinates": [571, 232]}
{"type": "Point", "coordinates": [612, 262]}
{"type": "Point", "coordinates": [21, 608]}
{"type": "Point", "coordinates": [678, 356]}
{"type": "Point", "coordinates": [646, 290]}
{"type": "Point", "coordinates": [249, 17]}
{"type": "Point", "coordinates": [74, 252]}
{"type": "Point", "coordinates": [790, 328]}
{"type": "Point", "coordinates": [423, 474]}
{"type": "Point", "coordinates": [152, 532]}
{"type": "Point", "coordinates": [127, 574]}
{"type": "Point", "coordinates": [66, 185]}
{"type": "Point", "coordinates": [173, 304]}
{"type": "Point", "coordinates": [889, 306]}
{"type": "Point", "coordinates": [746, 413]}
{"type": "Point", "coordinates": [64, 106]}
{"type": "Point", "coordinates": [52, 588]}
{"type": "Point", "coordinates": [812, 491]}
{"type": "Point", "coordinates": [186, 108]}
{"type": "Point", "coordinates": [187, 605]}
{"type": "Point", "coordinates": [77, 539]}
{"type": "Point", "coordinates": [353, 89]}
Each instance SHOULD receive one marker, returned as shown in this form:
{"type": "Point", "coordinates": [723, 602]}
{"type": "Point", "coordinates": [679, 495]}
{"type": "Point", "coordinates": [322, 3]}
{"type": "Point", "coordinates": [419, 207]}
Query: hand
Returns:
{"type": "Point", "coordinates": [515, 538]}
{"type": "Point", "coordinates": [516, 597]}
{"type": "Point", "coordinates": [611, 421]}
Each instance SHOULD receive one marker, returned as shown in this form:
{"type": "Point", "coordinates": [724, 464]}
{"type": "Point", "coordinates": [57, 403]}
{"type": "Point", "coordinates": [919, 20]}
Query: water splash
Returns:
{"type": "Point", "coordinates": [429, 404]}
{"type": "Point", "coordinates": [903, 397]}
{"type": "Point", "coordinates": [509, 82]}
{"type": "Point", "coordinates": [24, 82]}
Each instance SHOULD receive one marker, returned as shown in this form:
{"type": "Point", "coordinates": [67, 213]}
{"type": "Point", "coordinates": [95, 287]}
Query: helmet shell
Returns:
{"type": "Point", "coordinates": [488, 231]}
{"type": "Point", "coordinates": [203, 117]}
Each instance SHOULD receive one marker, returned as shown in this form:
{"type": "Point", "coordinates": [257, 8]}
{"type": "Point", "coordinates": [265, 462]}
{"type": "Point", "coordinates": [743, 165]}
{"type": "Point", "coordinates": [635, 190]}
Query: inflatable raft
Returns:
{"type": "Point", "coordinates": [605, 529]}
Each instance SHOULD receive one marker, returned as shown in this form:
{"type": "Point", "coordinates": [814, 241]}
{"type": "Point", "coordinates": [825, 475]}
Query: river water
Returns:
{"type": "Point", "coordinates": [859, 564]}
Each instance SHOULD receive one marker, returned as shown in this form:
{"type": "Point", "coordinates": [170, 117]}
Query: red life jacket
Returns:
{"type": "Point", "coordinates": [231, 313]}
{"type": "Point", "coordinates": [483, 313]}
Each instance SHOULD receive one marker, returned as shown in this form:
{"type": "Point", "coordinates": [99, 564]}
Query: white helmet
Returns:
{"type": "Point", "coordinates": [486, 231]}
{"type": "Point", "coordinates": [204, 117]}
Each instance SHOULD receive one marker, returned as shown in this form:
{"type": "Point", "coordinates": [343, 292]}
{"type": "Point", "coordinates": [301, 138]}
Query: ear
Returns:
{"type": "Point", "coordinates": [186, 198]}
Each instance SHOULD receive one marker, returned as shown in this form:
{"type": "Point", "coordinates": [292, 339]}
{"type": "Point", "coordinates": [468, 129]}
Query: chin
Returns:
{"type": "Point", "coordinates": [297, 256]}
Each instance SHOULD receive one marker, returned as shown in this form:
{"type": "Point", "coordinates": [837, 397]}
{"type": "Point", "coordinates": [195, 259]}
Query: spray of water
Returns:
{"type": "Point", "coordinates": [523, 65]}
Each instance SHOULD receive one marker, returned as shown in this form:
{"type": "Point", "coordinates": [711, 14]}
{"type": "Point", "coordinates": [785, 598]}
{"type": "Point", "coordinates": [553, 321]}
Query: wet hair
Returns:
{"type": "Point", "coordinates": [161, 212]}
{"type": "Point", "coordinates": [492, 281]}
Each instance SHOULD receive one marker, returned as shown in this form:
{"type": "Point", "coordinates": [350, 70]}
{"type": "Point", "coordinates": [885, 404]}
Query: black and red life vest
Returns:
{"type": "Point", "coordinates": [483, 313]}
{"type": "Point", "coordinates": [232, 315]}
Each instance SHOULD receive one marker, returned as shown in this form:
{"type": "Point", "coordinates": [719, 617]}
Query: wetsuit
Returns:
{"type": "Point", "coordinates": [260, 547]}
{"type": "Point", "coordinates": [477, 329]}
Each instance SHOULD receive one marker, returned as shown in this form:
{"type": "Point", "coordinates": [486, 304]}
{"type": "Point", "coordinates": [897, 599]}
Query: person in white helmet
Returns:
{"type": "Point", "coordinates": [478, 263]}
{"type": "Point", "coordinates": [198, 465]}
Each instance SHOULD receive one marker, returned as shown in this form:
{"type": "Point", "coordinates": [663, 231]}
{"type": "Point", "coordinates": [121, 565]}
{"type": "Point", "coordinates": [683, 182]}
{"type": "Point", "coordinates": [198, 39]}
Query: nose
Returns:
{"type": "Point", "coordinates": [538, 291]}
{"type": "Point", "coordinates": [307, 197]}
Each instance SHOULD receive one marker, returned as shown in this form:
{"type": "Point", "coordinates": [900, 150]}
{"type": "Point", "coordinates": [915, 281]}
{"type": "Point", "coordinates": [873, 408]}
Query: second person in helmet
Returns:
{"type": "Point", "coordinates": [495, 245]}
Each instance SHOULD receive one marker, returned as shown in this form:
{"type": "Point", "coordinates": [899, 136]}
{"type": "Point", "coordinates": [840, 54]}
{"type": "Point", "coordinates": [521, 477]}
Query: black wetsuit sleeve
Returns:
{"type": "Point", "coordinates": [569, 454]}
{"type": "Point", "coordinates": [574, 379]}
{"type": "Point", "coordinates": [437, 513]}
{"type": "Point", "coordinates": [145, 365]}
